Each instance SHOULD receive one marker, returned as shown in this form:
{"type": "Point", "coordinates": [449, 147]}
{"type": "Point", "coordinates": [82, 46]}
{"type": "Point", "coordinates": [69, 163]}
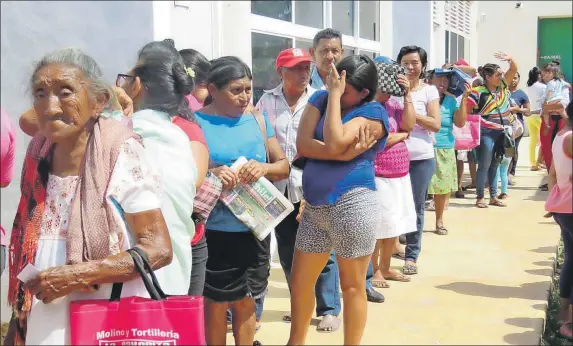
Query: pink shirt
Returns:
{"type": "Point", "coordinates": [194, 105]}
{"type": "Point", "coordinates": [561, 196]}
{"type": "Point", "coordinates": [7, 152]}
{"type": "Point", "coordinates": [393, 161]}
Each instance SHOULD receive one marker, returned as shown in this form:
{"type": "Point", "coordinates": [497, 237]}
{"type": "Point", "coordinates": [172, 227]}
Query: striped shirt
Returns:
{"type": "Point", "coordinates": [490, 105]}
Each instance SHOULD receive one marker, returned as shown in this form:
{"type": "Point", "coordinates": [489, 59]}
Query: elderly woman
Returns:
{"type": "Point", "coordinates": [79, 246]}
{"type": "Point", "coordinates": [238, 266]}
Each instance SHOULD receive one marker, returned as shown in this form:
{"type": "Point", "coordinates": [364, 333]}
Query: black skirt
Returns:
{"type": "Point", "coordinates": [238, 266]}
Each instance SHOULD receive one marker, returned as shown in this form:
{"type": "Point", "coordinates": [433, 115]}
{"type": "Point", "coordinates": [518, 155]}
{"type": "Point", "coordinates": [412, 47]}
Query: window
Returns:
{"type": "Point", "coordinates": [369, 20]}
{"type": "Point", "coordinates": [343, 17]}
{"type": "Point", "coordinates": [265, 49]}
{"type": "Point", "coordinates": [279, 9]}
{"type": "Point", "coordinates": [371, 55]}
{"type": "Point", "coordinates": [348, 51]}
{"type": "Point", "coordinates": [454, 48]}
{"type": "Point", "coordinates": [457, 47]}
{"type": "Point", "coordinates": [309, 13]}
{"type": "Point", "coordinates": [306, 44]}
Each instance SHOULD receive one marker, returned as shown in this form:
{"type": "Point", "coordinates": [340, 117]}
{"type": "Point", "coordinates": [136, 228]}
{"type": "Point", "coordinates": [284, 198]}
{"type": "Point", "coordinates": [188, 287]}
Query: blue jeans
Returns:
{"type": "Point", "coordinates": [502, 172]}
{"type": "Point", "coordinates": [566, 279]}
{"type": "Point", "coordinates": [421, 172]}
{"type": "Point", "coordinates": [487, 166]}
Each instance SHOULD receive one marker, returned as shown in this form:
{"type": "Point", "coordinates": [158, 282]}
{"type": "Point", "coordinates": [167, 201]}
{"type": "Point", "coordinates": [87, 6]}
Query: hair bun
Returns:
{"type": "Point", "coordinates": [556, 61]}
{"type": "Point", "coordinates": [169, 41]}
{"type": "Point", "coordinates": [183, 81]}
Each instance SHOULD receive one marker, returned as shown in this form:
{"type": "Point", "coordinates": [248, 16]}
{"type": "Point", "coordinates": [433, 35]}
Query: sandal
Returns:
{"type": "Point", "coordinates": [287, 318]}
{"type": "Point", "coordinates": [397, 277]}
{"type": "Point", "coordinates": [548, 215]}
{"type": "Point", "coordinates": [566, 331]}
{"type": "Point", "coordinates": [329, 324]}
{"type": "Point", "coordinates": [459, 194]}
{"type": "Point", "coordinates": [380, 283]}
{"type": "Point", "coordinates": [497, 203]}
{"type": "Point", "coordinates": [481, 205]}
{"type": "Point", "coordinates": [468, 187]}
{"type": "Point", "coordinates": [410, 269]}
{"type": "Point", "coordinates": [544, 187]}
{"type": "Point", "coordinates": [441, 230]}
{"type": "Point", "coordinates": [502, 196]}
{"type": "Point", "coordinates": [431, 206]}
{"type": "Point", "coordinates": [400, 255]}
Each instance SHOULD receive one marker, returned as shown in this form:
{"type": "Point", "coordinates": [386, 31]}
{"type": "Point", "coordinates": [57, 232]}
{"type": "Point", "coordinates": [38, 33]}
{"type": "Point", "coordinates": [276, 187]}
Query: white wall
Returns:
{"type": "Point", "coordinates": [191, 26]}
{"type": "Point", "coordinates": [503, 27]}
{"type": "Point", "coordinates": [411, 25]}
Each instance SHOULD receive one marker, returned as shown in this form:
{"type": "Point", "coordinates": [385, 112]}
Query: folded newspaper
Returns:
{"type": "Point", "coordinates": [260, 206]}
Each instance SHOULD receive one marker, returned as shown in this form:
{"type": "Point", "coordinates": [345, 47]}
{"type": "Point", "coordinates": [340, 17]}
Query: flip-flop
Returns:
{"type": "Point", "coordinates": [441, 230]}
{"type": "Point", "coordinates": [409, 269]}
{"type": "Point", "coordinates": [329, 324]}
{"type": "Point", "coordinates": [380, 284]}
{"type": "Point", "coordinates": [566, 330]}
{"type": "Point", "coordinates": [400, 255]}
{"type": "Point", "coordinates": [481, 205]}
{"type": "Point", "coordinates": [398, 277]}
{"type": "Point", "coordinates": [287, 318]}
{"type": "Point", "coordinates": [497, 203]}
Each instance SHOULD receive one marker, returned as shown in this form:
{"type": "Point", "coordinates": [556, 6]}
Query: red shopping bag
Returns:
{"type": "Point", "coordinates": [160, 320]}
{"type": "Point", "coordinates": [468, 137]}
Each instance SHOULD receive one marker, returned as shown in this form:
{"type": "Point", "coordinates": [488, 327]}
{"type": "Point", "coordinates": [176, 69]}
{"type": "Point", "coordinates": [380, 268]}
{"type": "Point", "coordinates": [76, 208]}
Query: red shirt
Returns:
{"type": "Point", "coordinates": [195, 134]}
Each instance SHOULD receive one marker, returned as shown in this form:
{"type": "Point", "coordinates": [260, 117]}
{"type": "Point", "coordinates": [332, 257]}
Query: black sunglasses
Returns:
{"type": "Point", "coordinates": [123, 78]}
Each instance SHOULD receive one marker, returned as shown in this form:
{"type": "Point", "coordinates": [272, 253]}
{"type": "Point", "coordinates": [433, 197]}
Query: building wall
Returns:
{"type": "Point", "coordinates": [501, 26]}
{"type": "Point", "coordinates": [111, 32]}
{"type": "Point", "coordinates": [412, 25]}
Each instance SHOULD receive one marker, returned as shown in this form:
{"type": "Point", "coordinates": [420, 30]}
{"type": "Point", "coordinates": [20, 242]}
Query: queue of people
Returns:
{"type": "Point", "coordinates": [357, 163]}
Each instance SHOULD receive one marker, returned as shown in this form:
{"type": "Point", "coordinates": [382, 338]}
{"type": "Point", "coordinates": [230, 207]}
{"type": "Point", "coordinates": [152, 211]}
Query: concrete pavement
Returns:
{"type": "Point", "coordinates": [485, 283]}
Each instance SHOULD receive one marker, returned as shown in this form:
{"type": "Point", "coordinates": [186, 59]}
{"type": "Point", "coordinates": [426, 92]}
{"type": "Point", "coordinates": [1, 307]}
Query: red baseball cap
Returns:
{"type": "Point", "coordinates": [292, 56]}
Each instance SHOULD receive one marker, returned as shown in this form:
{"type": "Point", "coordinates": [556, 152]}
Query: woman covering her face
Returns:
{"type": "Point", "coordinates": [342, 209]}
{"type": "Point", "coordinates": [78, 244]}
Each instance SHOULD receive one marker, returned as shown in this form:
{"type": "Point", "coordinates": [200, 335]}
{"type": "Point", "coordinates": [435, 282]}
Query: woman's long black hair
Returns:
{"type": "Point", "coordinates": [534, 74]}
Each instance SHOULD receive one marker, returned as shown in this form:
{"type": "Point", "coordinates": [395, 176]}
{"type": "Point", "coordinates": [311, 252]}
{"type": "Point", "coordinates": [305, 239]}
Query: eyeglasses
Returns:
{"type": "Point", "coordinates": [123, 78]}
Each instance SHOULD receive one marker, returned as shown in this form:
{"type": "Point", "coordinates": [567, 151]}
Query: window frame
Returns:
{"type": "Point", "coordinates": [281, 28]}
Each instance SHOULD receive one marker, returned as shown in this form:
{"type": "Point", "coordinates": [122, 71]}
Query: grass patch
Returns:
{"type": "Point", "coordinates": [3, 332]}
{"type": "Point", "coordinates": [551, 335]}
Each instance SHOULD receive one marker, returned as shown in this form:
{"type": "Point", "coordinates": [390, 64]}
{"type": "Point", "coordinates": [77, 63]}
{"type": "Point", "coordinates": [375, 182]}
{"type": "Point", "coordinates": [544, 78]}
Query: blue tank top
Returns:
{"type": "Point", "coordinates": [325, 181]}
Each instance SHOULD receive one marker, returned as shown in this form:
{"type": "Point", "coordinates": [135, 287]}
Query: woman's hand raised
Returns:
{"type": "Point", "coordinates": [336, 83]}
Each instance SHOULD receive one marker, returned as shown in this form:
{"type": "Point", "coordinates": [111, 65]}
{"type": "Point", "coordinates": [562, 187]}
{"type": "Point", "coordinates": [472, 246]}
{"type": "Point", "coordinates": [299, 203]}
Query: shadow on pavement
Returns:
{"type": "Point", "coordinates": [545, 249]}
{"type": "Point", "coordinates": [530, 337]}
{"type": "Point", "coordinates": [542, 272]}
{"type": "Point", "coordinates": [525, 291]}
{"type": "Point", "coordinates": [544, 263]}
{"type": "Point", "coordinates": [273, 316]}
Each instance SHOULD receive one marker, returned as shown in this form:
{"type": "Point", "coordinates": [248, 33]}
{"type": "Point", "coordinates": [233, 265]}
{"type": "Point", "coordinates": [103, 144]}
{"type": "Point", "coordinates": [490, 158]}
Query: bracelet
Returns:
{"type": "Point", "coordinates": [407, 101]}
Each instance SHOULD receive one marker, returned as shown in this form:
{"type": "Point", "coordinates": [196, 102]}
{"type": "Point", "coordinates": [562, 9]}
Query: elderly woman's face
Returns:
{"type": "Point", "coordinates": [233, 98]}
{"type": "Point", "coordinates": [62, 102]}
{"type": "Point", "coordinates": [495, 79]}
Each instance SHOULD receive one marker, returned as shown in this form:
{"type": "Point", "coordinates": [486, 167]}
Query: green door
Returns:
{"type": "Point", "coordinates": [555, 37]}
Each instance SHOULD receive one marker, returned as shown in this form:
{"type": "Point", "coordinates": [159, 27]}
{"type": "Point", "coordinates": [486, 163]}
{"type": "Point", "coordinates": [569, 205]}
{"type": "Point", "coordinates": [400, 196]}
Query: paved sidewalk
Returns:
{"type": "Point", "coordinates": [485, 283]}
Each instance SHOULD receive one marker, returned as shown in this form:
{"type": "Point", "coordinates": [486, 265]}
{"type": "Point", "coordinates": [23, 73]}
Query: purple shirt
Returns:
{"type": "Point", "coordinates": [325, 181]}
